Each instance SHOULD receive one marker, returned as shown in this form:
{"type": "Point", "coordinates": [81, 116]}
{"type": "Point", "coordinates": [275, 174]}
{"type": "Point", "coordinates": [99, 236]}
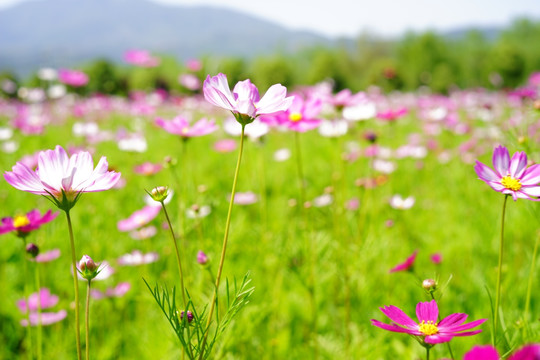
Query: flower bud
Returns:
{"type": "Point", "coordinates": [370, 136]}
{"type": "Point", "coordinates": [429, 285]}
{"type": "Point", "coordinates": [159, 193]}
{"type": "Point", "coordinates": [88, 268]}
{"type": "Point", "coordinates": [189, 316]}
{"type": "Point", "coordinates": [202, 258]}
{"type": "Point", "coordinates": [32, 250]}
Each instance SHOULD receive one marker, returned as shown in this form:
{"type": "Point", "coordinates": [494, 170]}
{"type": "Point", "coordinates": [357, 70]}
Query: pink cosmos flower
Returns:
{"type": "Point", "coordinates": [147, 168]}
{"type": "Point", "coordinates": [225, 145]}
{"type": "Point", "coordinates": [45, 318]}
{"type": "Point", "coordinates": [436, 258]}
{"type": "Point", "coordinates": [44, 297]}
{"type": "Point", "coordinates": [143, 233]}
{"type": "Point", "coordinates": [301, 116]}
{"type": "Point", "coordinates": [245, 198]}
{"type": "Point", "coordinates": [118, 291]}
{"type": "Point", "coordinates": [181, 126]}
{"type": "Point", "coordinates": [194, 64]}
{"type": "Point", "coordinates": [428, 330]}
{"type": "Point", "coordinates": [139, 218]}
{"type": "Point", "coordinates": [61, 177]}
{"type": "Point", "coordinates": [24, 224]}
{"type": "Point", "coordinates": [488, 352]}
{"type": "Point", "coordinates": [244, 101]}
{"type": "Point", "coordinates": [73, 78]}
{"type": "Point", "coordinates": [202, 258]}
{"type": "Point", "coordinates": [511, 176]}
{"type": "Point", "coordinates": [138, 258]}
{"type": "Point", "coordinates": [406, 265]}
{"type": "Point", "coordinates": [141, 58]}
{"type": "Point", "coordinates": [392, 115]}
{"type": "Point", "coordinates": [47, 256]}
{"type": "Point", "coordinates": [189, 81]}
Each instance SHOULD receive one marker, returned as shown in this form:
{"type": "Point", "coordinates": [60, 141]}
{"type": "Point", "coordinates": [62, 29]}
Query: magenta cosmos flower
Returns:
{"type": "Point", "coordinates": [181, 126]}
{"type": "Point", "coordinates": [141, 58]}
{"type": "Point", "coordinates": [488, 352]}
{"type": "Point", "coordinates": [24, 224]}
{"type": "Point", "coordinates": [73, 78]}
{"type": "Point", "coordinates": [61, 177]}
{"type": "Point", "coordinates": [511, 176]}
{"type": "Point", "coordinates": [139, 218]}
{"type": "Point", "coordinates": [244, 101]}
{"type": "Point", "coordinates": [406, 265]}
{"type": "Point", "coordinates": [301, 116]}
{"type": "Point", "coordinates": [428, 330]}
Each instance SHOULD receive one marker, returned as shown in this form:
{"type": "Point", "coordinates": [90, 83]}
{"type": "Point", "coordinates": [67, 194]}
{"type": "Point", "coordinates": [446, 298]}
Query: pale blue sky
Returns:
{"type": "Point", "coordinates": [384, 17]}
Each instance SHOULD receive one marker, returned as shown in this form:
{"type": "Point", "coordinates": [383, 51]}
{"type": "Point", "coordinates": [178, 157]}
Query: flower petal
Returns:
{"type": "Point", "coordinates": [398, 316]}
{"type": "Point", "coordinates": [394, 328]}
{"type": "Point", "coordinates": [501, 160]}
{"type": "Point", "coordinates": [485, 173]}
{"type": "Point", "coordinates": [427, 311]}
{"type": "Point", "coordinates": [518, 164]}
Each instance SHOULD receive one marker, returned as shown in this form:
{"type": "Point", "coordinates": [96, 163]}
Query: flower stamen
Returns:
{"type": "Point", "coordinates": [295, 116]}
{"type": "Point", "coordinates": [20, 221]}
{"type": "Point", "coordinates": [511, 183]}
{"type": "Point", "coordinates": [428, 328]}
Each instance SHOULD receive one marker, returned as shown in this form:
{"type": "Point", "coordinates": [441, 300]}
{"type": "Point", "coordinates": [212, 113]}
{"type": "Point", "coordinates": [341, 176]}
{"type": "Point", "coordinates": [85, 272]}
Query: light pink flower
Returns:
{"type": "Point", "coordinates": [392, 115]}
{"type": "Point", "coordinates": [45, 318]}
{"type": "Point", "coordinates": [139, 218]}
{"type": "Point", "coordinates": [194, 64]}
{"type": "Point", "coordinates": [47, 256]}
{"type": "Point", "coordinates": [138, 258]}
{"type": "Point", "coordinates": [428, 329]}
{"type": "Point", "coordinates": [44, 297]}
{"type": "Point", "coordinates": [301, 116]}
{"type": "Point", "coordinates": [61, 177]}
{"type": "Point", "coordinates": [118, 291]}
{"type": "Point", "coordinates": [181, 126]}
{"type": "Point", "coordinates": [406, 265]}
{"type": "Point", "coordinates": [244, 101]}
{"type": "Point", "coordinates": [189, 81]}
{"type": "Point", "coordinates": [225, 145]}
{"type": "Point", "coordinates": [147, 168]}
{"type": "Point", "coordinates": [245, 198]}
{"type": "Point", "coordinates": [73, 78]}
{"type": "Point", "coordinates": [143, 233]}
{"type": "Point", "coordinates": [511, 176]}
{"type": "Point", "coordinates": [141, 58]}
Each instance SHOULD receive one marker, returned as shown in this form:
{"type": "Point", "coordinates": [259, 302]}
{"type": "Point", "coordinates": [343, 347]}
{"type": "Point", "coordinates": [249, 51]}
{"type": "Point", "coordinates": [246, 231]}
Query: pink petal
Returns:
{"type": "Point", "coordinates": [394, 328]}
{"type": "Point", "coordinates": [427, 311]}
{"type": "Point", "coordinates": [531, 176]}
{"type": "Point", "coordinates": [518, 164]}
{"type": "Point", "coordinates": [485, 173]}
{"type": "Point", "coordinates": [501, 160]}
{"type": "Point", "coordinates": [487, 352]}
{"type": "Point", "coordinates": [398, 316]}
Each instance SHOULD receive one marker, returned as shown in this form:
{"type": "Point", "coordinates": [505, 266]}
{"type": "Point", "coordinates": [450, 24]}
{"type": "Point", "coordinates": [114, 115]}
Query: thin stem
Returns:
{"type": "Point", "coordinates": [427, 353]}
{"type": "Point", "coordinates": [499, 274]}
{"type": "Point", "coordinates": [75, 285]}
{"type": "Point", "coordinates": [299, 167]}
{"type": "Point", "coordinates": [87, 320]}
{"type": "Point", "coordinates": [182, 288]}
{"type": "Point", "coordinates": [531, 273]}
{"type": "Point", "coordinates": [27, 300]}
{"type": "Point", "coordinates": [224, 247]}
{"type": "Point", "coordinates": [39, 329]}
{"type": "Point", "coordinates": [439, 320]}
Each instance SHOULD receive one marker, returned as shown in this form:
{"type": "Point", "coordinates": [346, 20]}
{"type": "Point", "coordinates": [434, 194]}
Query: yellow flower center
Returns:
{"type": "Point", "coordinates": [511, 183]}
{"type": "Point", "coordinates": [428, 328]}
{"type": "Point", "coordinates": [185, 130]}
{"type": "Point", "coordinates": [20, 221]}
{"type": "Point", "coordinates": [295, 116]}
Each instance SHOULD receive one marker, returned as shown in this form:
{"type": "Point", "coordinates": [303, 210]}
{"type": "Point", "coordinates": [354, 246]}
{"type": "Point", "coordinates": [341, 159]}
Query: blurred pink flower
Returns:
{"type": "Point", "coordinates": [143, 233]}
{"type": "Point", "coordinates": [73, 78]}
{"type": "Point", "coordinates": [244, 101]}
{"type": "Point", "coordinates": [44, 297]}
{"type": "Point", "coordinates": [61, 177]}
{"type": "Point", "coordinates": [194, 64]}
{"type": "Point", "coordinates": [189, 81]}
{"type": "Point", "coordinates": [118, 291]}
{"type": "Point", "coordinates": [141, 58]}
{"type": "Point", "coordinates": [301, 116]}
{"type": "Point", "coordinates": [488, 352]}
{"type": "Point", "coordinates": [181, 126]}
{"type": "Point", "coordinates": [398, 202]}
{"type": "Point", "coordinates": [225, 145]}
{"type": "Point", "coordinates": [46, 318]}
{"type": "Point", "coordinates": [138, 258]}
{"type": "Point", "coordinates": [48, 256]}
{"type": "Point", "coordinates": [139, 218]}
{"type": "Point", "coordinates": [24, 224]}
{"type": "Point", "coordinates": [147, 168]}
{"type": "Point", "coordinates": [436, 258]}
{"type": "Point", "coordinates": [407, 265]}
{"type": "Point", "coordinates": [392, 115]}
{"type": "Point", "coordinates": [245, 198]}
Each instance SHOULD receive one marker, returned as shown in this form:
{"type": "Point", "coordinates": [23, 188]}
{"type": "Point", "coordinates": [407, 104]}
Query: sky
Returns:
{"type": "Point", "coordinates": [336, 18]}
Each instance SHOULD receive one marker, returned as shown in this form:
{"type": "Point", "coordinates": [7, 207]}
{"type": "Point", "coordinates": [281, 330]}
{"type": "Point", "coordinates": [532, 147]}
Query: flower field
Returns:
{"type": "Point", "coordinates": [326, 219]}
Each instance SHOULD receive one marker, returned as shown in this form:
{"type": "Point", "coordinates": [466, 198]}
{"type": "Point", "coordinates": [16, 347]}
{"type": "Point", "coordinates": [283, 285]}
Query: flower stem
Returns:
{"type": "Point", "coordinates": [427, 353]}
{"type": "Point", "coordinates": [27, 303]}
{"type": "Point", "coordinates": [531, 273]}
{"type": "Point", "coordinates": [499, 273]}
{"type": "Point", "coordinates": [180, 272]}
{"type": "Point", "coordinates": [39, 326]}
{"type": "Point", "coordinates": [224, 247]}
{"type": "Point", "coordinates": [75, 285]}
{"type": "Point", "coordinates": [439, 319]}
{"type": "Point", "coordinates": [87, 320]}
{"type": "Point", "coordinates": [299, 167]}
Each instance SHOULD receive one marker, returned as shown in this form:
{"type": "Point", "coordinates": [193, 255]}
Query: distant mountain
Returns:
{"type": "Point", "coordinates": [67, 32]}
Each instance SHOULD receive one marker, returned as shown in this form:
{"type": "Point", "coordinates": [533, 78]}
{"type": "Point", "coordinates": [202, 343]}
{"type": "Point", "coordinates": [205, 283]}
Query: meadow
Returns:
{"type": "Point", "coordinates": [316, 223]}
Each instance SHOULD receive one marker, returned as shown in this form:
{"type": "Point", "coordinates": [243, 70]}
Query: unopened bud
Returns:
{"type": "Point", "coordinates": [189, 316]}
{"type": "Point", "coordinates": [202, 258]}
{"type": "Point", "coordinates": [429, 285]}
{"type": "Point", "coordinates": [88, 268]}
{"type": "Point", "coordinates": [32, 250]}
{"type": "Point", "coordinates": [159, 193]}
{"type": "Point", "coordinates": [370, 136]}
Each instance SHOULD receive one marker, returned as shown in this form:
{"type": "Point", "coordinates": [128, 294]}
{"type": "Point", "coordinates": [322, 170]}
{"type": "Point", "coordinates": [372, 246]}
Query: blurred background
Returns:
{"type": "Point", "coordinates": [393, 45]}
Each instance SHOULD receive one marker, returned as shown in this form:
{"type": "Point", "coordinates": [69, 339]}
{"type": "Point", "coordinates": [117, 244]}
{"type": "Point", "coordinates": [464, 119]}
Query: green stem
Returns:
{"type": "Point", "coordinates": [499, 274]}
{"type": "Point", "coordinates": [87, 320]}
{"type": "Point", "coordinates": [427, 353]}
{"type": "Point", "coordinates": [39, 327]}
{"type": "Point", "coordinates": [529, 286]}
{"type": "Point", "coordinates": [182, 288]}
{"type": "Point", "coordinates": [299, 168]}
{"type": "Point", "coordinates": [75, 285]}
{"type": "Point", "coordinates": [224, 247]}
{"type": "Point", "coordinates": [439, 319]}
{"type": "Point", "coordinates": [27, 300]}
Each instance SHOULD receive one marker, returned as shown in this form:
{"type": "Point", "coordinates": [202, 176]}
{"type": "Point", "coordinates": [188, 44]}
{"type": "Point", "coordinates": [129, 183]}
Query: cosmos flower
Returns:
{"type": "Point", "coordinates": [147, 168]}
{"type": "Point", "coordinates": [392, 115]}
{"type": "Point", "coordinates": [245, 198]}
{"type": "Point", "coordinates": [181, 126]}
{"type": "Point", "coordinates": [44, 298]}
{"type": "Point", "coordinates": [301, 116]}
{"type": "Point", "coordinates": [141, 58]}
{"type": "Point", "coordinates": [511, 176]}
{"type": "Point", "coordinates": [73, 78]}
{"type": "Point", "coordinates": [488, 352]}
{"type": "Point", "coordinates": [24, 224]}
{"type": "Point", "coordinates": [398, 202]}
{"type": "Point", "coordinates": [428, 330]}
{"type": "Point", "coordinates": [118, 291]}
{"type": "Point", "coordinates": [63, 178]}
{"type": "Point", "coordinates": [244, 101]}
{"type": "Point", "coordinates": [45, 318]}
{"type": "Point", "coordinates": [139, 218]}
{"type": "Point", "coordinates": [138, 258]}
{"type": "Point", "coordinates": [47, 256]}
{"type": "Point", "coordinates": [406, 265]}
